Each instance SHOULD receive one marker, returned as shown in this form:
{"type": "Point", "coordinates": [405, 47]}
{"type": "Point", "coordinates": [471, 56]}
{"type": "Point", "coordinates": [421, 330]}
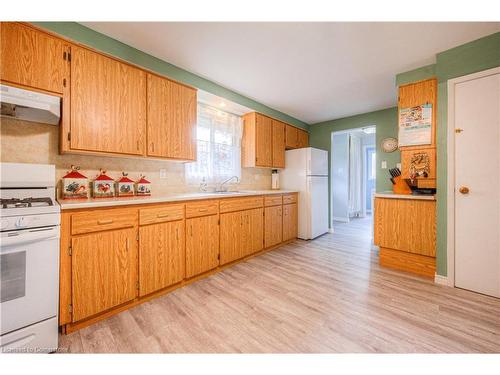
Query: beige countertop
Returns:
{"type": "Point", "coordinates": [69, 204]}
{"type": "Point", "coordinates": [390, 194]}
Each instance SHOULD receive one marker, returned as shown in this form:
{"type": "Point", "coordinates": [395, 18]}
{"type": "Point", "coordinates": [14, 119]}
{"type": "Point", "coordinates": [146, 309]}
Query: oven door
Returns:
{"type": "Point", "coordinates": [29, 265]}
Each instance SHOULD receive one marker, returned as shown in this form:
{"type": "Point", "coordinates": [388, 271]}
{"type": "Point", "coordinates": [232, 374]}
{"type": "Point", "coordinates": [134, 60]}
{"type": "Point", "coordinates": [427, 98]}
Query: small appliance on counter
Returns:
{"type": "Point", "coordinates": [275, 179]}
{"type": "Point", "coordinates": [29, 251]}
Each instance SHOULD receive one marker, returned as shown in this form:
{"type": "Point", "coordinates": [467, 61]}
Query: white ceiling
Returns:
{"type": "Point", "coordinates": [311, 71]}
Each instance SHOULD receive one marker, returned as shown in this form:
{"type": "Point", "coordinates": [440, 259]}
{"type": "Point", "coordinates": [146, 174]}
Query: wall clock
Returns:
{"type": "Point", "coordinates": [389, 144]}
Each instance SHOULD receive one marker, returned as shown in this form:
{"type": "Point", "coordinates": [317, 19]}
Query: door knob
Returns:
{"type": "Point", "coordinates": [464, 190]}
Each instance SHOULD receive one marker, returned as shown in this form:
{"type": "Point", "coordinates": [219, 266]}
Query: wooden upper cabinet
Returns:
{"type": "Point", "coordinates": [302, 138]}
{"type": "Point", "coordinates": [161, 256]}
{"type": "Point", "coordinates": [32, 58]}
{"type": "Point", "coordinates": [291, 137]}
{"type": "Point", "coordinates": [104, 271]}
{"type": "Point", "coordinates": [278, 148]}
{"type": "Point", "coordinates": [171, 119]}
{"type": "Point", "coordinates": [263, 141]}
{"type": "Point", "coordinates": [108, 104]}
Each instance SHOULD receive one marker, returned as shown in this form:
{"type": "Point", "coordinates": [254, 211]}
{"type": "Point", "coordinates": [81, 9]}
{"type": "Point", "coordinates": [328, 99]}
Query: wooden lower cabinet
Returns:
{"type": "Point", "coordinates": [290, 217]}
{"type": "Point", "coordinates": [241, 234]}
{"type": "Point", "coordinates": [161, 256]}
{"type": "Point", "coordinates": [104, 271]}
{"type": "Point", "coordinates": [273, 226]}
{"type": "Point", "coordinates": [202, 244]}
{"type": "Point", "coordinates": [114, 258]}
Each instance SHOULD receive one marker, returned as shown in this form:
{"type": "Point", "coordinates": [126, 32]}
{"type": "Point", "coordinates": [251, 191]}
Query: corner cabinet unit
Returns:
{"type": "Point", "coordinates": [265, 141]}
{"type": "Point", "coordinates": [113, 258]}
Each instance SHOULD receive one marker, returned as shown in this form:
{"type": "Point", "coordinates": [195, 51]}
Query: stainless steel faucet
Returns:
{"type": "Point", "coordinates": [221, 187]}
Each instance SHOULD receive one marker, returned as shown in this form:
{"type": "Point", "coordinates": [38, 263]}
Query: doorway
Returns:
{"type": "Point", "coordinates": [352, 175]}
{"type": "Point", "coordinates": [473, 179]}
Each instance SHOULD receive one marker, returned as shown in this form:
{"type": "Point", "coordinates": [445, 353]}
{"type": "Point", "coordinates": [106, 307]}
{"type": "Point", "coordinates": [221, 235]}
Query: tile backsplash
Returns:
{"type": "Point", "coordinates": [28, 142]}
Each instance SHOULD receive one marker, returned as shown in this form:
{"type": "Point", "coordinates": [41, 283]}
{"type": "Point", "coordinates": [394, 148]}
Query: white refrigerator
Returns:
{"type": "Point", "coordinates": [307, 172]}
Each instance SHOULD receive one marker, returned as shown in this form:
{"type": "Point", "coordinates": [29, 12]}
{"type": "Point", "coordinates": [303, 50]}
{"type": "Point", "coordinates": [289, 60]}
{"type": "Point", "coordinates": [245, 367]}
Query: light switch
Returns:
{"type": "Point", "coordinates": [398, 166]}
{"type": "Point", "coordinates": [384, 164]}
{"type": "Point", "coordinates": [163, 173]}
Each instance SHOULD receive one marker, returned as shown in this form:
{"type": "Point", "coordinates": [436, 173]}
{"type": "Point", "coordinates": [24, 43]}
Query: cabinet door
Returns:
{"type": "Point", "coordinates": [263, 141]}
{"type": "Point", "coordinates": [108, 104]}
{"type": "Point", "coordinates": [303, 139]}
{"type": "Point", "coordinates": [291, 136]}
{"type": "Point", "coordinates": [104, 271]}
{"type": "Point", "coordinates": [254, 231]}
{"type": "Point", "coordinates": [161, 256]}
{"type": "Point", "coordinates": [273, 226]}
{"type": "Point", "coordinates": [171, 123]}
{"type": "Point", "coordinates": [31, 58]}
{"type": "Point", "coordinates": [289, 221]}
{"type": "Point", "coordinates": [278, 148]}
{"type": "Point", "coordinates": [231, 237]}
{"type": "Point", "coordinates": [202, 244]}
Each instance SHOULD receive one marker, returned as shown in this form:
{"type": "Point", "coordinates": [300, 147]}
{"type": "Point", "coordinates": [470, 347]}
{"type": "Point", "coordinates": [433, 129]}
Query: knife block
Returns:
{"type": "Point", "coordinates": [400, 186]}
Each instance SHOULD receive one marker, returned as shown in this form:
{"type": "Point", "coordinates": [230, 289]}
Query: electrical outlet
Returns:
{"type": "Point", "coordinates": [398, 166]}
{"type": "Point", "coordinates": [163, 173]}
{"type": "Point", "coordinates": [384, 164]}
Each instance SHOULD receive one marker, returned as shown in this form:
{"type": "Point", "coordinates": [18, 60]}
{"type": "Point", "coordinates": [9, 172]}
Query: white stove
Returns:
{"type": "Point", "coordinates": [29, 258]}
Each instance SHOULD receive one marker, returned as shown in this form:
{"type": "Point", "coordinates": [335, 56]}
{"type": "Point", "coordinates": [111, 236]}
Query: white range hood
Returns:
{"type": "Point", "coordinates": [29, 105]}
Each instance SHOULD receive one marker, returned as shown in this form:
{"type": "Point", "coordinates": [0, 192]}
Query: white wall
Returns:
{"type": "Point", "coordinates": [340, 177]}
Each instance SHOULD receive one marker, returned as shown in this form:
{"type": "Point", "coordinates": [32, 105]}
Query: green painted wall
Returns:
{"type": "Point", "coordinates": [385, 120]}
{"type": "Point", "coordinates": [101, 42]}
{"type": "Point", "coordinates": [469, 58]}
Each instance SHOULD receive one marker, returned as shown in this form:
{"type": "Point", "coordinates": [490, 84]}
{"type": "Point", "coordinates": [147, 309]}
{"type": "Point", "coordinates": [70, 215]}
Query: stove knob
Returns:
{"type": "Point", "coordinates": [20, 222]}
{"type": "Point", "coordinates": [4, 224]}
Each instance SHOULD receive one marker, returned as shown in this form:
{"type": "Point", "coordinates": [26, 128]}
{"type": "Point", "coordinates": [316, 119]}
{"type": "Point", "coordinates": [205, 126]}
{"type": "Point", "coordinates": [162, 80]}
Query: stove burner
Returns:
{"type": "Point", "coordinates": [26, 202]}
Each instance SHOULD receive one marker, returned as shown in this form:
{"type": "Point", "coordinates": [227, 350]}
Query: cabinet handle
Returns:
{"type": "Point", "coordinates": [162, 215]}
{"type": "Point", "coordinates": [202, 210]}
{"type": "Point", "coordinates": [101, 222]}
{"type": "Point", "coordinates": [177, 233]}
{"type": "Point", "coordinates": [191, 230]}
{"type": "Point", "coordinates": [127, 245]}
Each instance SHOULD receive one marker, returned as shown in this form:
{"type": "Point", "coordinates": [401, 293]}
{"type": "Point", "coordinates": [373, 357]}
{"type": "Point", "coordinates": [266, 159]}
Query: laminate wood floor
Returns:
{"type": "Point", "coordinates": [327, 295]}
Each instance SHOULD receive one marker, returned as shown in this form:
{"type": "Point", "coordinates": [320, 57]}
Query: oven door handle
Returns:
{"type": "Point", "coordinates": [29, 236]}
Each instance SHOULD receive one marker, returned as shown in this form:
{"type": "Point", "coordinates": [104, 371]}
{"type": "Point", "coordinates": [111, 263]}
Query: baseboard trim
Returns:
{"type": "Point", "coordinates": [442, 280]}
{"type": "Point", "coordinates": [330, 230]}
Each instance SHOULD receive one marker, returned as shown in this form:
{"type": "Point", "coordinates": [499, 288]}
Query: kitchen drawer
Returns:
{"type": "Point", "coordinates": [95, 221]}
{"type": "Point", "coordinates": [289, 198]}
{"type": "Point", "coordinates": [203, 208]}
{"type": "Point", "coordinates": [273, 200]}
{"type": "Point", "coordinates": [240, 204]}
{"type": "Point", "coordinates": [161, 214]}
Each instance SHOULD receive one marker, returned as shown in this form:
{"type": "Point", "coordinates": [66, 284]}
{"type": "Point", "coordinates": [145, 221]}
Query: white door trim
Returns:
{"type": "Point", "coordinates": [450, 150]}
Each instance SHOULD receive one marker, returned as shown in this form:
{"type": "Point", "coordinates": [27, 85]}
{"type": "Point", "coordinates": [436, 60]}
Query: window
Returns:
{"type": "Point", "coordinates": [218, 144]}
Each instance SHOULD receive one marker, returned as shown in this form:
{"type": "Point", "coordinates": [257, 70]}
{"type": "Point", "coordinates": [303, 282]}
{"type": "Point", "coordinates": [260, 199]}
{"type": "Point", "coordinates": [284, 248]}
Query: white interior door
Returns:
{"type": "Point", "coordinates": [477, 167]}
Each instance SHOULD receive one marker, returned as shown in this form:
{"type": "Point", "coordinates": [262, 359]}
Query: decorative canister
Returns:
{"type": "Point", "coordinates": [75, 185]}
{"type": "Point", "coordinates": [103, 186]}
{"type": "Point", "coordinates": [124, 186]}
{"type": "Point", "coordinates": [143, 186]}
